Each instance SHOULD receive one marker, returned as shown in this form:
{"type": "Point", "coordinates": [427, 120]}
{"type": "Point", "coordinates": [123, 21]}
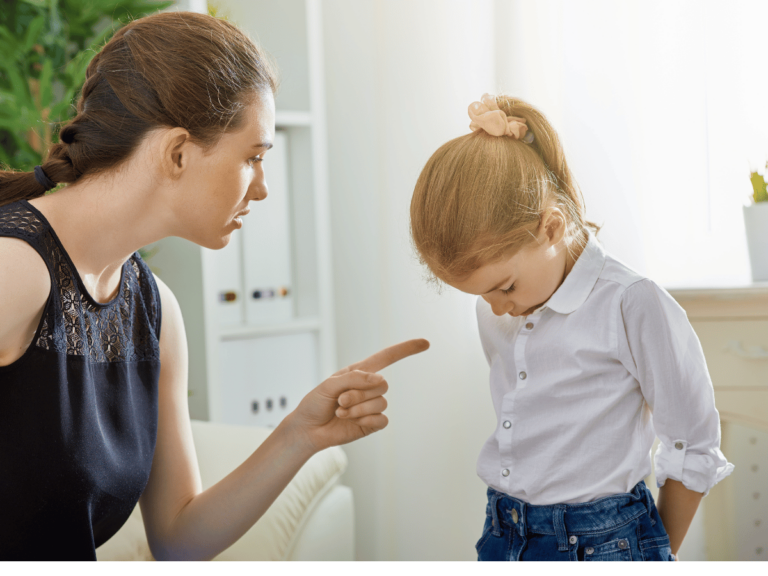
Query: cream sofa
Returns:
{"type": "Point", "coordinates": [311, 520]}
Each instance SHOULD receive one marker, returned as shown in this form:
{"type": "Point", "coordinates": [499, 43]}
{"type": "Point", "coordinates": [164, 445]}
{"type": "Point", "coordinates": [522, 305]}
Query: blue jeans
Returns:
{"type": "Point", "coordinates": [619, 527]}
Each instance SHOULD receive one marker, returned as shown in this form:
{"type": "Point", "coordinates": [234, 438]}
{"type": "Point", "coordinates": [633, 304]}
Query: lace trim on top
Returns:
{"type": "Point", "coordinates": [125, 329]}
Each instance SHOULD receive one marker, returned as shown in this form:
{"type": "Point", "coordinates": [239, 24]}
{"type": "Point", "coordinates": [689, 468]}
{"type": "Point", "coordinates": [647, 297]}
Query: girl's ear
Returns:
{"type": "Point", "coordinates": [552, 227]}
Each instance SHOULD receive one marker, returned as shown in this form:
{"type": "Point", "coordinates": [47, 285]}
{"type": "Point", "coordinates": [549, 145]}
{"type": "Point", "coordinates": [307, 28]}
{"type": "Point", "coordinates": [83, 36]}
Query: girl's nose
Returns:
{"type": "Point", "coordinates": [499, 304]}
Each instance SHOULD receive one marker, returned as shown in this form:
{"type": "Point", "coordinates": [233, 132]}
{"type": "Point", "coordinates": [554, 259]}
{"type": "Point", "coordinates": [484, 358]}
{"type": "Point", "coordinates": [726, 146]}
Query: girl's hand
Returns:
{"type": "Point", "coordinates": [349, 405]}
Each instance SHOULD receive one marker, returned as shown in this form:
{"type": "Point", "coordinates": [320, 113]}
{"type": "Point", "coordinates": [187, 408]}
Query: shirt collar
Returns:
{"type": "Point", "coordinates": [577, 286]}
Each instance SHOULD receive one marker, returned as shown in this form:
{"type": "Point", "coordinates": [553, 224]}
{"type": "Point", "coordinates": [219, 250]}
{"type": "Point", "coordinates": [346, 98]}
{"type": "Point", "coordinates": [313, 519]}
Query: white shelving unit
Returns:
{"type": "Point", "coordinates": [244, 370]}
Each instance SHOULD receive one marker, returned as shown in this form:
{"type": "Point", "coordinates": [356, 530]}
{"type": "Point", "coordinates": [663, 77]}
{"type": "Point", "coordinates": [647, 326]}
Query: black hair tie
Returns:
{"type": "Point", "coordinates": [42, 178]}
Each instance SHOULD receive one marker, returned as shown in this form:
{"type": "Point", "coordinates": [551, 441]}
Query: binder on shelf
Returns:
{"type": "Point", "coordinates": [266, 245]}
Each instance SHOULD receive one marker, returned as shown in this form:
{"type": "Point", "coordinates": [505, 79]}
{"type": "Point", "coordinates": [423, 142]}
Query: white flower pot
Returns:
{"type": "Point", "coordinates": [756, 225]}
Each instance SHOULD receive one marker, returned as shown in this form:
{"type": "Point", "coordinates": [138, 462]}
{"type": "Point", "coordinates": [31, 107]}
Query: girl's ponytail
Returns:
{"type": "Point", "coordinates": [547, 144]}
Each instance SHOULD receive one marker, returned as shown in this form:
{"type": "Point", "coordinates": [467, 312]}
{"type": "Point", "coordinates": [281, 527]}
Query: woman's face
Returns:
{"type": "Point", "coordinates": [218, 185]}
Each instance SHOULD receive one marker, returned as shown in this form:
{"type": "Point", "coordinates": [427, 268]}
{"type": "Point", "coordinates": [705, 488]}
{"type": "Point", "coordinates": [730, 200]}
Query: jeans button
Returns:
{"type": "Point", "coordinates": [623, 544]}
{"type": "Point", "coordinates": [515, 516]}
{"type": "Point", "coordinates": [590, 550]}
{"type": "Point", "coordinates": [573, 539]}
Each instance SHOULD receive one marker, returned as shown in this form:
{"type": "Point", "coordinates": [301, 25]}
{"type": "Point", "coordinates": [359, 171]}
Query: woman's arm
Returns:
{"type": "Point", "coordinates": [677, 505]}
{"type": "Point", "coordinates": [24, 288]}
{"type": "Point", "coordinates": [184, 522]}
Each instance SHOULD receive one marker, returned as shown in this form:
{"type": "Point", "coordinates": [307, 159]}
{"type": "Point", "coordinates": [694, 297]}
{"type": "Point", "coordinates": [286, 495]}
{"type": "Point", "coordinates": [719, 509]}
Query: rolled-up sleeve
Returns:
{"type": "Point", "coordinates": [659, 347]}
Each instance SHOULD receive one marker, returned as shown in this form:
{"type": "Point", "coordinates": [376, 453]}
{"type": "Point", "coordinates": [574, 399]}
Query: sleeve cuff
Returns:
{"type": "Point", "coordinates": [697, 471]}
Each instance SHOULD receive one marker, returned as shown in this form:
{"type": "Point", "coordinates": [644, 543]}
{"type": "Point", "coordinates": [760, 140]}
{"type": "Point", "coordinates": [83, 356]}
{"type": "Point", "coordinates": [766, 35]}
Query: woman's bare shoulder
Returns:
{"type": "Point", "coordinates": [24, 287]}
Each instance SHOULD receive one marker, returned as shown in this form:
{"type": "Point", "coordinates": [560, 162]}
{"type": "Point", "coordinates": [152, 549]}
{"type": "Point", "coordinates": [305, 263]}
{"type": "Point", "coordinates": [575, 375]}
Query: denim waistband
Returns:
{"type": "Point", "coordinates": [562, 520]}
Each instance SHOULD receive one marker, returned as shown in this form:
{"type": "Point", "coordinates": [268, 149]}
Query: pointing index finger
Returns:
{"type": "Point", "coordinates": [390, 355]}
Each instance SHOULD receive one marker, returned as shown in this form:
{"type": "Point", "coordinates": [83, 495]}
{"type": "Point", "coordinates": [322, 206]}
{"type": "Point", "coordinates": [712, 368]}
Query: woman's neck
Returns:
{"type": "Point", "coordinates": [101, 222]}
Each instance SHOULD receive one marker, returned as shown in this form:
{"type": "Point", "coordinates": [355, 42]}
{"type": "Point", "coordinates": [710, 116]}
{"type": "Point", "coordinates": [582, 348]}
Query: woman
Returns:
{"type": "Point", "coordinates": [174, 121]}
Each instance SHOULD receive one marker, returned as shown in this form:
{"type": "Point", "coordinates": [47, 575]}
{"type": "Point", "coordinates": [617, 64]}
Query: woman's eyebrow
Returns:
{"type": "Point", "coordinates": [499, 286]}
{"type": "Point", "coordinates": [266, 145]}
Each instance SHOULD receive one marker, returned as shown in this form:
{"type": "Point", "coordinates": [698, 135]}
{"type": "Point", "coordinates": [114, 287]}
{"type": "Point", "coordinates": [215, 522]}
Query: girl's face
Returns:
{"type": "Point", "coordinates": [519, 284]}
{"type": "Point", "coordinates": [218, 185]}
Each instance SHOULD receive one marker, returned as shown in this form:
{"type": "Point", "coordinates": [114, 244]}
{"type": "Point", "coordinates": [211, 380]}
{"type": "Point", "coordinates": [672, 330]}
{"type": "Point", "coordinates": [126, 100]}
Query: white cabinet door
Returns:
{"type": "Point", "coordinates": [230, 301]}
{"type": "Point", "coordinates": [267, 245]}
{"type": "Point", "coordinates": [264, 379]}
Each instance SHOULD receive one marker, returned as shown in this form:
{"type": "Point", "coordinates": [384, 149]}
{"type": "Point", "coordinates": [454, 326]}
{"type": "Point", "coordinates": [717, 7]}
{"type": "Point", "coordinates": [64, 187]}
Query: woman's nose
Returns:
{"type": "Point", "coordinates": [259, 188]}
{"type": "Point", "coordinates": [261, 193]}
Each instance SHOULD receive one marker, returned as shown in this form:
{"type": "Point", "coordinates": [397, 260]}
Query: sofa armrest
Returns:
{"type": "Point", "coordinates": [220, 449]}
{"type": "Point", "coordinates": [329, 530]}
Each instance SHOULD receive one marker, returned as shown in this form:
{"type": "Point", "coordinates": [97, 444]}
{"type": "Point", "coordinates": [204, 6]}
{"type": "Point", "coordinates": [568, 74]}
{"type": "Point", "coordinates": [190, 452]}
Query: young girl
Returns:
{"type": "Point", "coordinates": [589, 361]}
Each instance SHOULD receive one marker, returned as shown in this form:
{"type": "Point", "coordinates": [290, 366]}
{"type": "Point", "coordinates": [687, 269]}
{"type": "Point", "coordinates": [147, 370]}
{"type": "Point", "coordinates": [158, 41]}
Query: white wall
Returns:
{"type": "Point", "coordinates": [660, 107]}
{"type": "Point", "coordinates": [400, 75]}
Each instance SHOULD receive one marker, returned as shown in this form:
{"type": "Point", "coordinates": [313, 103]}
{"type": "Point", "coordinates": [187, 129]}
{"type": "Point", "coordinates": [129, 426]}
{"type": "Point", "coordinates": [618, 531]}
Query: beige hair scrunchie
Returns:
{"type": "Point", "coordinates": [486, 115]}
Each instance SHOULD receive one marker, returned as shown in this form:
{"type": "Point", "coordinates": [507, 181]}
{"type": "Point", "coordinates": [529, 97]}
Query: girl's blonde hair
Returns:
{"type": "Point", "coordinates": [481, 197]}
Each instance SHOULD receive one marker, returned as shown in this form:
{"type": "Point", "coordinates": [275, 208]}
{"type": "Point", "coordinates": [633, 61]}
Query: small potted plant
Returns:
{"type": "Point", "coordinates": [756, 225]}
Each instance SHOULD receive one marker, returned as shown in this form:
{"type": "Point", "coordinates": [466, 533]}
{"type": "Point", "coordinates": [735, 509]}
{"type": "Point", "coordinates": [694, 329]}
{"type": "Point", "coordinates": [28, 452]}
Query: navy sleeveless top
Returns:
{"type": "Point", "coordinates": [78, 411]}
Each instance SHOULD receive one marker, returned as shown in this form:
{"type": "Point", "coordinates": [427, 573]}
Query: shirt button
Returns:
{"type": "Point", "coordinates": [590, 550]}
{"type": "Point", "coordinates": [679, 445]}
{"type": "Point", "coordinates": [523, 375]}
{"type": "Point", "coordinates": [505, 472]}
{"type": "Point", "coordinates": [515, 516]}
{"type": "Point", "coordinates": [573, 539]}
{"type": "Point", "coordinates": [529, 326]}
{"type": "Point", "coordinates": [507, 424]}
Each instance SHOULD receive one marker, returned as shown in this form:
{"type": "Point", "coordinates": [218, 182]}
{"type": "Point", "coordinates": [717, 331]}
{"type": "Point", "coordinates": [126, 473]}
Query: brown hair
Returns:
{"type": "Point", "coordinates": [174, 69]}
{"type": "Point", "coordinates": [481, 197]}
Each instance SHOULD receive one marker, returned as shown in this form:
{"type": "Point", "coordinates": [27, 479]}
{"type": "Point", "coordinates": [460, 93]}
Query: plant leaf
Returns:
{"type": "Point", "coordinates": [760, 194]}
{"type": "Point", "coordinates": [33, 33]}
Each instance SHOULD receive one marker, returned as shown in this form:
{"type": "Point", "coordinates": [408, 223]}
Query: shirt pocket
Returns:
{"type": "Point", "coordinates": [656, 549]}
{"type": "Point", "coordinates": [614, 551]}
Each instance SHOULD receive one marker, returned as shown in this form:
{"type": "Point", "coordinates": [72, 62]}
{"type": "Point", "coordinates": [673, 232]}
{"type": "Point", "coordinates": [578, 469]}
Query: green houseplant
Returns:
{"type": "Point", "coordinates": [756, 226]}
{"type": "Point", "coordinates": [45, 48]}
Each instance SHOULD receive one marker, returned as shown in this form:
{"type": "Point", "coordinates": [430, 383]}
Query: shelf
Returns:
{"type": "Point", "coordinates": [240, 332]}
{"type": "Point", "coordinates": [292, 118]}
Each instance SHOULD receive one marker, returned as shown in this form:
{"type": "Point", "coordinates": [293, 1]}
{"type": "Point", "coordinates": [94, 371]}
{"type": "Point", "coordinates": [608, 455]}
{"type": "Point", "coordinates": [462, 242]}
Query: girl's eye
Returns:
{"type": "Point", "coordinates": [255, 159]}
{"type": "Point", "coordinates": [510, 289]}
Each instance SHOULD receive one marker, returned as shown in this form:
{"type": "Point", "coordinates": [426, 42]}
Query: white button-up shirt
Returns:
{"type": "Point", "coordinates": [583, 385]}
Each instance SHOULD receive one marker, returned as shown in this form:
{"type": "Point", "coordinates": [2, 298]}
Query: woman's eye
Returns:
{"type": "Point", "coordinates": [510, 289]}
{"type": "Point", "coordinates": [255, 159]}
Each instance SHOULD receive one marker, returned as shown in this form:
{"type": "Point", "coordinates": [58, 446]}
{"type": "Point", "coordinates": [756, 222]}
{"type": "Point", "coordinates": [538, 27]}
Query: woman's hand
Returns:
{"type": "Point", "coordinates": [349, 405]}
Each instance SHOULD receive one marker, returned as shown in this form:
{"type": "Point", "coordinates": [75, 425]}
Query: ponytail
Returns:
{"type": "Point", "coordinates": [16, 185]}
{"type": "Point", "coordinates": [548, 146]}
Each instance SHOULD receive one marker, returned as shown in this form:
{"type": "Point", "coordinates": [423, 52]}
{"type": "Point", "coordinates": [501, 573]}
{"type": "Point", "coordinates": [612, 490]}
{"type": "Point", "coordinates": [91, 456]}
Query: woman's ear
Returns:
{"type": "Point", "coordinates": [552, 227]}
{"type": "Point", "coordinates": [175, 150]}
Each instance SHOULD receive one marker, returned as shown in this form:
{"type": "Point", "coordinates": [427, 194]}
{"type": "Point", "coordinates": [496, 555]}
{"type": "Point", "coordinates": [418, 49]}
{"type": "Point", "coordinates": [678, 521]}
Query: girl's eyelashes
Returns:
{"type": "Point", "coordinates": [510, 289]}
{"type": "Point", "coordinates": [255, 159]}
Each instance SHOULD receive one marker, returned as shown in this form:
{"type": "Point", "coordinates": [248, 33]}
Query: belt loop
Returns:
{"type": "Point", "coordinates": [558, 520]}
{"type": "Point", "coordinates": [648, 503]}
{"type": "Point", "coordinates": [495, 514]}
